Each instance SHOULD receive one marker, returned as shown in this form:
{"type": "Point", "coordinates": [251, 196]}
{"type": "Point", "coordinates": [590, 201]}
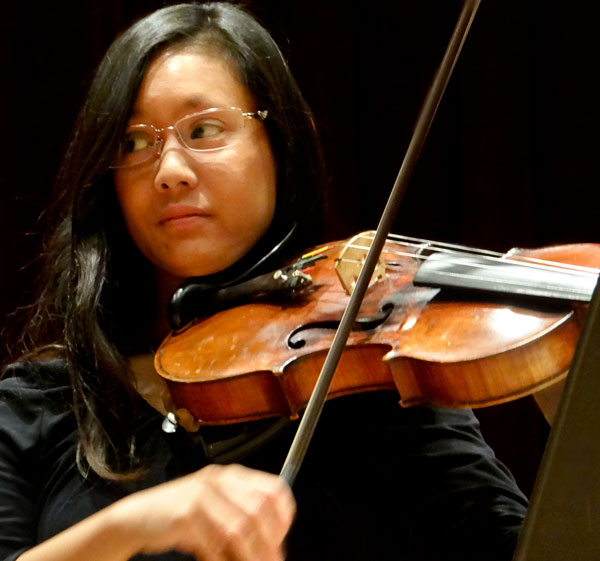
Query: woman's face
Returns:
{"type": "Point", "coordinates": [196, 213]}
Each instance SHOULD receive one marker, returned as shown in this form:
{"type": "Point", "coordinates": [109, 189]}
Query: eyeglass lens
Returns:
{"type": "Point", "coordinates": [208, 130]}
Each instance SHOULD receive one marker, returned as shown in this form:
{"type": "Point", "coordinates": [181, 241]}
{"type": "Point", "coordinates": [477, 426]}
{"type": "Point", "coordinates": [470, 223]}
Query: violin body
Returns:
{"type": "Point", "coordinates": [262, 359]}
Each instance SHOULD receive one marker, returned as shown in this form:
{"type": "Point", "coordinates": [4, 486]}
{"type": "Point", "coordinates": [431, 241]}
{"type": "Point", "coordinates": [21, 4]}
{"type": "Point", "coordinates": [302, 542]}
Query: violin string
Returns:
{"type": "Point", "coordinates": [491, 265]}
{"type": "Point", "coordinates": [427, 244]}
{"type": "Point", "coordinates": [424, 244]}
{"type": "Point", "coordinates": [491, 256]}
{"type": "Point", "coordinates": [573, 270]}
{"type": "Point", "coordinates": [494, 255]}
{"type": "Point", "coordinates": [524, 260]}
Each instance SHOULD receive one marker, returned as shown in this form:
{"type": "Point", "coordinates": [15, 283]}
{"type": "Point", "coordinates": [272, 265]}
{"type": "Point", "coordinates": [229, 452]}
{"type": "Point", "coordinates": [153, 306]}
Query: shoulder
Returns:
{"type": "Point", "coordinates": [34, 379]}
{"type": "Point", "coordinates": [34, 398]}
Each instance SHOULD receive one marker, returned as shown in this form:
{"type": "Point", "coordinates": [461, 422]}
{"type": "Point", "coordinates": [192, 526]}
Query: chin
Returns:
{"type": "Point", "coordinates": [186, 271]}
{"type": "Point", "coordinates": [184, 265]}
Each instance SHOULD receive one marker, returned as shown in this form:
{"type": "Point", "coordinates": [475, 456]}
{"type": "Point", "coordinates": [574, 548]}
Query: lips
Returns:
{"type": "Point", "coordinates": [175, 213]}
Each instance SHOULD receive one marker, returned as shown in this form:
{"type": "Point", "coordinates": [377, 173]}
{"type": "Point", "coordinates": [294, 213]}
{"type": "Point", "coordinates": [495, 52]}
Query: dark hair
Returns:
{"type": "Point", "coordinates": [96, 287]}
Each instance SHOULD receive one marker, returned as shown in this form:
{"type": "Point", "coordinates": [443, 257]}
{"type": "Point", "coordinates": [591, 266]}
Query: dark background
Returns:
{"type": "Point", "coordinates": [510, 160]}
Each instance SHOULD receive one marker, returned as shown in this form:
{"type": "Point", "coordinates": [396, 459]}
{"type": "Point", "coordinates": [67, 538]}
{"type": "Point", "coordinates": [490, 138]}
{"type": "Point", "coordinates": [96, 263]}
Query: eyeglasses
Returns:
{"type": "Point", "coordinates": [209, 130]}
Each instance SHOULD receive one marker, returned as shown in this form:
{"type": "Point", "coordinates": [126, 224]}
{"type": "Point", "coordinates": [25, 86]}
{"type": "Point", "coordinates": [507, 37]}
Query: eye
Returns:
{"type": "Point", "coordinates": [136, 140]}
{"type": "Point", "coordinates": [204, 129]}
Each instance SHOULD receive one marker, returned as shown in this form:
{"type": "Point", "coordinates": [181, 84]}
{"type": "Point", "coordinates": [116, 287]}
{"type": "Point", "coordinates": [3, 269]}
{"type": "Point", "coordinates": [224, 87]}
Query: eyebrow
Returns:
{"type": "Point", "coordinates": [196, 102]}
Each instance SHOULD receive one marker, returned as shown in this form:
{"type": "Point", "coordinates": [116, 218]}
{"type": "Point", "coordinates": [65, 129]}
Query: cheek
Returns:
{"type": "Point", "coordinates": [259, 168]}
{"type": "Point", "coordinates": [253, 203]}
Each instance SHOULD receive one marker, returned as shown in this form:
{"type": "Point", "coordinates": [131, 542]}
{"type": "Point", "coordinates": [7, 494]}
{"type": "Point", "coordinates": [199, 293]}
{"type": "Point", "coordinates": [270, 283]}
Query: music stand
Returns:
{"type": "Point", "coordinates": [563, 521]}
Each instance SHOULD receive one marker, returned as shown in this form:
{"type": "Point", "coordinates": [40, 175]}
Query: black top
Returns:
{"type": "Point", "coordinates": [378, 482]}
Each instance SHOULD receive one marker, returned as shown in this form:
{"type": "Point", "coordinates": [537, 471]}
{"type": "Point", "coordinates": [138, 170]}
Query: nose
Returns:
{"type": "Point", "coordinates": [174, 166]}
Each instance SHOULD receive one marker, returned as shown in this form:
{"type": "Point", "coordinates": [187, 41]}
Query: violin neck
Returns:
{"type": "Point", "coordinates": [473, 272]}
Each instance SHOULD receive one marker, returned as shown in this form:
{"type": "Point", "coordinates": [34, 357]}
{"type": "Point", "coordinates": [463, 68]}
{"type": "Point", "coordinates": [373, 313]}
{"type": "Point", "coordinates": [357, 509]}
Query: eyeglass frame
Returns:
{"type": "Point", "coordinates": [259, 115]}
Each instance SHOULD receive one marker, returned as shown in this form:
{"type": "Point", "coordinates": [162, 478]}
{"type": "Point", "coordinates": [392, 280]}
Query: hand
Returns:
{"type": "Point", "coordinates": [217, 513]}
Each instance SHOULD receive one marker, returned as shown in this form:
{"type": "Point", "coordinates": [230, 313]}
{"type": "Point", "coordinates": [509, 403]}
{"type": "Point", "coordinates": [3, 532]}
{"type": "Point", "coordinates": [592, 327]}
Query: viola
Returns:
{"type": "Point", "coordinates": [510, 333]}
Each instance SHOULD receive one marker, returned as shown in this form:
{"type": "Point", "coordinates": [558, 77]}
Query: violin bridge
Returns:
{"type": "Point", "coordinates": [351, 259]}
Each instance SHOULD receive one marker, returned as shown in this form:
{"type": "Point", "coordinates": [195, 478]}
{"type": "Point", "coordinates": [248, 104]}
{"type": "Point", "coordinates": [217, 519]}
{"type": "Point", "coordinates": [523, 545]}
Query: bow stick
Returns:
{"type": "Point", "coordinates": [314, 408]}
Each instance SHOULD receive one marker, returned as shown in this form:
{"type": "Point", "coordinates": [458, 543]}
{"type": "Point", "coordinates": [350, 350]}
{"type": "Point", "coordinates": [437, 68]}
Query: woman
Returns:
{"type": "Point", "coordinates": [195, 155]}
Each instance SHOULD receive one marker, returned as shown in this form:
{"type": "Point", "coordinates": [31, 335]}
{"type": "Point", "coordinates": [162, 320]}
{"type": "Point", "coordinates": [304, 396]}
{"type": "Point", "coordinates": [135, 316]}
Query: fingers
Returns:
{"type": "Point", "coordinates": [262, 512]}
{"type": "Point", "coordinates": [250, 514]}
{"type": "Point", "coordinates": [220, 513]}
